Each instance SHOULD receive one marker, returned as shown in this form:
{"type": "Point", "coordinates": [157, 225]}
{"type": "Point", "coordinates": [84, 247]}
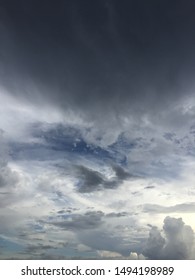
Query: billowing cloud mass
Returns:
{"type": "Point", "coordinates": [97, 129]}
{"type": "Point", "coordinates": [177, 243]}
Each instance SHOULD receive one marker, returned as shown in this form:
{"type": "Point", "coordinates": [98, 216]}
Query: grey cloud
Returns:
{"type": "Point", "coordinates": [103, 240]}
{"type": "Point", "coordinates": [149, 187]}
{"type": "Point", "coordinates": [117, 215]}
{"type": "Point", "coordinates": [8, 178]}
{"type": "Point", "coordinates": [39, 247]}
{"type": "Point", "coordinates": [91, 230]}
{"type": "Point", "coordinates": [64, 211]}
{"type": "Point", "coordinates": [121, 174]}
{"type": "Point", "coordinates": [155, 244]}
{"type": "Point", "coordinates": [180, 239]}
{"type": "Point", "coordinates": [103, 67]}
{"type": "Point", "coordinates": [3, 150]}
{"type": "Point", "coordinates": [92, 180]}
{"type": "Point", "coordinates": [183, 208]}
{"type": "Point", "coordinates": [176, 241]}
{"type": "Point", "coordinates": [89, 220]}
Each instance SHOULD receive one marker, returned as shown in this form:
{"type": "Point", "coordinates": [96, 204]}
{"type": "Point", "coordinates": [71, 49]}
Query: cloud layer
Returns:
{"type": "Point", "coordinates": [97, 129]}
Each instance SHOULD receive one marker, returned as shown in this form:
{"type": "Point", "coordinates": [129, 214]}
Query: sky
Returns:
{"type": "Point", "coordinates": [97, 129]}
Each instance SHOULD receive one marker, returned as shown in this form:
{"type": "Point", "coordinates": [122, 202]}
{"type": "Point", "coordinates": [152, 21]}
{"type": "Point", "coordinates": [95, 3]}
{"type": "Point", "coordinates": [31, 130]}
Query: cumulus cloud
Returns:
{"type": "Point", "coordinates": [175, 241]}
{"type": "Point", "coordinates": [109, 254]}
{"type": "Point", "coordinates": [155, 244]}
{"type": "Point", "coordinates": [118, 256]}
{"type": "Point", "coordinates": [135, 256]}
{"type": "Point", "coordinates": [180, 239]}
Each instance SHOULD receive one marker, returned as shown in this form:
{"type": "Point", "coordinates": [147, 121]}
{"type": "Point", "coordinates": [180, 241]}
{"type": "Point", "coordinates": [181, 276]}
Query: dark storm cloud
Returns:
{"type": "Point", "coordinates": [92, 180]}
{"type": "Point", "coordinates": [100, 56]}
{"type": "Point", "coordinates": [177, 243]}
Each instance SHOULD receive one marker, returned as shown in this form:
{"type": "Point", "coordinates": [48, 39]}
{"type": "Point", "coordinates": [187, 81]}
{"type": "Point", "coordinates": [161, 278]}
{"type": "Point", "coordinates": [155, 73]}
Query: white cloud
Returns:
{"type": "Point", "coordinates": [135, 256]}
{"type": "Point", "coordinates": [109, 254]}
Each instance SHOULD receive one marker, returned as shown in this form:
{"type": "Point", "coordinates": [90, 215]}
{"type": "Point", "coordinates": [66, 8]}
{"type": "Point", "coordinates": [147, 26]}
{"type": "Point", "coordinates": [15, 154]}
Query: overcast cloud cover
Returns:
{"type": "Point", "coordinates": [97, 129]}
